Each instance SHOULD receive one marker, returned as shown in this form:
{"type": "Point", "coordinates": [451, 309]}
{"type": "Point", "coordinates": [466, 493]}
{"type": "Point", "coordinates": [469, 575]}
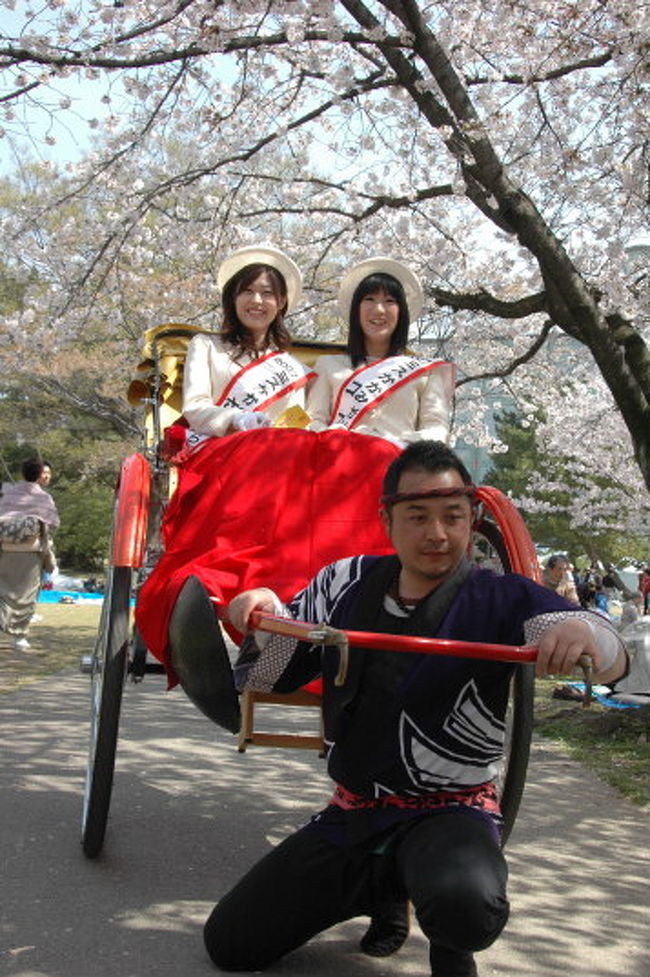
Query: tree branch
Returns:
{"type": "Point", "coordinates": [379, 202]}
{"type": "Point", "coordinates": [598, 61]}
{"type": "Point", "coordinates": [484, 301]}
{"type": "Point", "coordinates": [107, 409]}
{"type": "Point", "coordinates": [514, 364]}
{"type": "Point", "coordinates": [12, 56]}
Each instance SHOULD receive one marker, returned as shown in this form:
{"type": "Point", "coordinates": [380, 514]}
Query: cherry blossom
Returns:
{"type": "Point", "coordinates": [501, 150]}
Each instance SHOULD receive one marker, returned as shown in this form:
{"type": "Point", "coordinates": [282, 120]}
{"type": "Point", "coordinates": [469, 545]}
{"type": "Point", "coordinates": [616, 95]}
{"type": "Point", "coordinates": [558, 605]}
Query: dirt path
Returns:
{"type": "Point", "coordinates": [189, 814]}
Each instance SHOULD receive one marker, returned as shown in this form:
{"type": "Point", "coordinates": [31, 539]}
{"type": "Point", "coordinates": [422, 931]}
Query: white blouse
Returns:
{"type": "Point", "coordinates": [416, 411]}
{"type": "Point", "coordinates": [210, 365]}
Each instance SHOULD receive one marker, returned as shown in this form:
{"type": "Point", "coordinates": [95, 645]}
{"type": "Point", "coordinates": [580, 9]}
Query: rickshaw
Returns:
{"type": "Point", "coordinates": [148, 483]}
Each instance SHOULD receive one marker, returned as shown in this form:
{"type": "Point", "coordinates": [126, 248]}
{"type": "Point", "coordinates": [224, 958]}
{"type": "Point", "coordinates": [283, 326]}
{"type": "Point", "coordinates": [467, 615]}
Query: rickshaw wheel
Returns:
{"type": "Point", "coordinates": [108, 671]}
{"type": "Point", "coordinates": [519, 719]}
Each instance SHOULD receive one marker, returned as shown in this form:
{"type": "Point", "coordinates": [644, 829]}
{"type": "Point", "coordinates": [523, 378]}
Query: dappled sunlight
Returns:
{"type": "Point", "coordinates": [582, 884]}
{"type": "Point", "coordinates": [205, 761]}
{"type": "Point", "coordinates": [190, 814]}
{"type": "Point", "coordinates": [182, 916]}
{"type": "Point", "coordinates": [48, 744]}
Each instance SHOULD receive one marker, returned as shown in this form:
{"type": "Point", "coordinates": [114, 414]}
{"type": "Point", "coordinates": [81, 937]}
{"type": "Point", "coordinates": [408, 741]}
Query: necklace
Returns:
{"type": "Point", "coordinates": [406, 604]}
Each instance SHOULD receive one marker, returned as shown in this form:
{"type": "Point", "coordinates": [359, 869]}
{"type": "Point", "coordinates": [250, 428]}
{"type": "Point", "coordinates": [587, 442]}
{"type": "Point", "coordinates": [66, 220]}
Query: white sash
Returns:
{"type": "Point", "coordinates": [373, 382]}
{"type": "Point", "coordinates": [263, 381]}
{"type": "Point", "coordinates": [258, 385]}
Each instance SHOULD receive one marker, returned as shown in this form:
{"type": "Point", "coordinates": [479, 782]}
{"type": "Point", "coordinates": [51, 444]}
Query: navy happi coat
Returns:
{"type": "Point", "coordinates": [413, 724]}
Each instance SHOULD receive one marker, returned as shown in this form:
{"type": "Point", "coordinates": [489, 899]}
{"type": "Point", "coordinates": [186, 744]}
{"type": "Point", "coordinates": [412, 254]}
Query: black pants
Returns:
{"type": "Point", "coordinates": [448, 865]}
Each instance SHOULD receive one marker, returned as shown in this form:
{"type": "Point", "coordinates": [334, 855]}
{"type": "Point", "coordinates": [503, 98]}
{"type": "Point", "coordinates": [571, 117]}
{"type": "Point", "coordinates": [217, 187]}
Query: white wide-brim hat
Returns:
{"type": "Point", "coordinates": [263, 254]}
{"type": "Point", "coordinates": [386, 266]}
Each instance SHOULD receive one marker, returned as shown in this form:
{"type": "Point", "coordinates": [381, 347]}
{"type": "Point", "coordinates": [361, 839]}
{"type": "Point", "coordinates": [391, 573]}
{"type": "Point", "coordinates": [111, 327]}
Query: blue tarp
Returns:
{"type": "Point", "coordinates": [79, 596]}
{"type": "Point", "coordinates": [602, 697]}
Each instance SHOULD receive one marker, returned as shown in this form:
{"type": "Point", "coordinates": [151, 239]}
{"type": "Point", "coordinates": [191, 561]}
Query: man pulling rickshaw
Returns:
{"type": "Point", "coordinates": [413, 739]}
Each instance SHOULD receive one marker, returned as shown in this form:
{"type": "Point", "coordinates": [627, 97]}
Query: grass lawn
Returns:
{"type": "Point", "coordinates": [612, 742]}
{"type": "Point", "coordinates": [65, 633]}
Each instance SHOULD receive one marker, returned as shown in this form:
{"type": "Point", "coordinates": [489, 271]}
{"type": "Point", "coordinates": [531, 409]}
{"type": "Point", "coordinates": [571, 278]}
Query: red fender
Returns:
{"type": "Point", "coordinates": [132, 494]}
{"type": "Point", "coordinates": [516, 537]}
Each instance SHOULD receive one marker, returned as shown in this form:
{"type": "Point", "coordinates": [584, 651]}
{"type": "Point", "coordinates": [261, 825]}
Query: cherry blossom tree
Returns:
{"type": "Point", "coordinates": [501, 149]}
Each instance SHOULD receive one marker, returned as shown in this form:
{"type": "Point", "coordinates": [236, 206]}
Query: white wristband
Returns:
{"type": "Point", "coordinates": [608, 642]}
{"type": "Point", "coordinates": [262, 638]}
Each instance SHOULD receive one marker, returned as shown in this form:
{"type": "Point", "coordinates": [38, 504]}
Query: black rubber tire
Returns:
{"type": "Point", "coordinates": [518, 740]}
{"type": "Point", "coordinates": [109, 667]}
{"type": "Point", "coordinates": [520, 708]}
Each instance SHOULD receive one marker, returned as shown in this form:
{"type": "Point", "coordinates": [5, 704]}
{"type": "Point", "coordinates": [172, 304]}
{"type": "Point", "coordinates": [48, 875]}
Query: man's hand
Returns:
{"type": "Point", "coordinates": [561, 646]}
{"type": "Point", "coordinates": [241, 607]}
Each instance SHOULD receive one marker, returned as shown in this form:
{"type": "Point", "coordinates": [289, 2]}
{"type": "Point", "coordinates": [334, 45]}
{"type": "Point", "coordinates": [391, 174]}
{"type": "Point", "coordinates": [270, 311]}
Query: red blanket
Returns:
{"type": "Point", "coordinates": [269, 508]}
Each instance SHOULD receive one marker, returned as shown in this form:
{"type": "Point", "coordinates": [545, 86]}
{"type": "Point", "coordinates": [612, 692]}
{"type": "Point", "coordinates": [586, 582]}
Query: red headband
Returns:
{"type": "Point", "coordinates": [431, 494]}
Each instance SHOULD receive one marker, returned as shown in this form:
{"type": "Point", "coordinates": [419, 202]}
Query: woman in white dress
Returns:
{"type": "Point", "coordinates": [242, 377]}
{"type": "Point", "coordinates": [377, 387]}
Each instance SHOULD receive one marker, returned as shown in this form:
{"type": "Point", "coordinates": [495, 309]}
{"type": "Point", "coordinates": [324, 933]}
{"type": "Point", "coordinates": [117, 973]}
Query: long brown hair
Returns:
{"type": "Point", "coordinates": [232, 331]}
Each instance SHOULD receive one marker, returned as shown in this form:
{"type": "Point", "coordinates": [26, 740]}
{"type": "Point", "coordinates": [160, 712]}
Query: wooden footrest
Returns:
{"type": "Point", "coordinates": [248, 735]}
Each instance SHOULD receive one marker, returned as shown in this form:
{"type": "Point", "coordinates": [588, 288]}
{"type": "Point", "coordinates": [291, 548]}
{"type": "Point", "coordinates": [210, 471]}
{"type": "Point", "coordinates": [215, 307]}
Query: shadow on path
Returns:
{"type": "Point", "coordinates": [189, 814]}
